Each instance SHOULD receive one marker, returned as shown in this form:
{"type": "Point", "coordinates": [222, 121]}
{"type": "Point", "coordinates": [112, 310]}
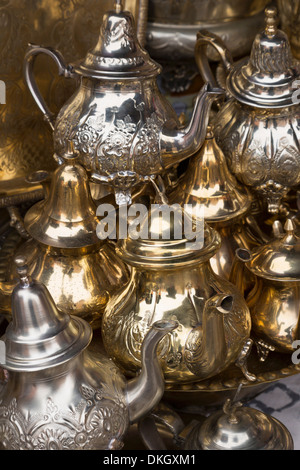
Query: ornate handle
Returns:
{"type": "Point", "coordinates": [205, 39]}
{"type": "Point", "coordinates": [63, 70]}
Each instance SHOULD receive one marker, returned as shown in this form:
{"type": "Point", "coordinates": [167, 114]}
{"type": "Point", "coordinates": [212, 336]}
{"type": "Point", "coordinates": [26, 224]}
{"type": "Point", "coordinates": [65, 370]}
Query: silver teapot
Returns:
{"type": "Point", "coordinates": [57, 393]}
{"type": "Point", "coordinates": [123, 128]}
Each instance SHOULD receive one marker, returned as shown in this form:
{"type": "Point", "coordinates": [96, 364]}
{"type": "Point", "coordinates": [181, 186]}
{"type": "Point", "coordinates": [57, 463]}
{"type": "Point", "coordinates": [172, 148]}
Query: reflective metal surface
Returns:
{"type": "Point", "coordinates": [274, 297]}
{"type": "Point", "coordinates": [121, 125]}
{"type": "Point", "coordinates": [172, 280]}
{"type": "Point", "coordinates": [63, 250]}
{"type": "Point", "coordinates": [257, 128]}
{"type": "Point", "coordinates": [60, 396]}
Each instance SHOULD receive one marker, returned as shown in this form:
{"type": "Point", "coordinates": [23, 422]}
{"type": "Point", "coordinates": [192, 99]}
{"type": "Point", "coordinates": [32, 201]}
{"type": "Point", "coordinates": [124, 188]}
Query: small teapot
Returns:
{"type": "Point", "coordinates": [270, 280]}
{"type": "Point", "coordinates": [63, 250]}
{"type": "Point", "coordinates": [226, 203]}
{"type": "Point", "coordinates": [59, 394]}
{"type": "Point", "coordinates": [258, 126]}
{"type": "Point", "coordinates": [171, 278]}
{"type": "Point", "coordinates": [120, 123]}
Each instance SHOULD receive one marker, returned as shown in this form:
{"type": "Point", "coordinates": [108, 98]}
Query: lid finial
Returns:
{"type": "Point", "coordinates": [22, 270]}
{"type": "Point", "coordinates": [271, 19]}
{"type": "Point", "coordinates": [118, 6]}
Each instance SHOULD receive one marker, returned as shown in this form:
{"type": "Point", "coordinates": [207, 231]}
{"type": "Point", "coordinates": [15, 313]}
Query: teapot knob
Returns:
{"type": "Point", "coordinates": [118, 6]}
{"type": "Point", "coordinates": [22, 270]}
{"type": "Point", "coordinates": [271, 20]}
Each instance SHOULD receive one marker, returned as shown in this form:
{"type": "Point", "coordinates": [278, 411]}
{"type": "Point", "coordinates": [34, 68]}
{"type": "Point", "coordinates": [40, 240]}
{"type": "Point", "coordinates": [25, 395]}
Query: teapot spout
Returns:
{"type": "Point", "coordinates": [178, 144]}
{"type": "Point", "coordinates": [145, 391]}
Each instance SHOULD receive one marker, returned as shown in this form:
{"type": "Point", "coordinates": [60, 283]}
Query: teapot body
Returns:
{"type": "Point", "coordinates": [75, 406]}
{"type": "Point", "coordinates": [115, 126]}
{"type": "Point", "coordinates": [180, 295]}
{"type": "Point", "coordinates": [261, 148]}
{"type": "Point", "coordinates": [80, 281]}
{"type": "Point", "coordinates": [275, 307]}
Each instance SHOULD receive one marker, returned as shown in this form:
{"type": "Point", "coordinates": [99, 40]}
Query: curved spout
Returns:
{"type": "Point", "coordinates": [206, 347]}
{"type": "Point", "coordinates": [239, 276]}
{"type": "Point", "coordinates": [178, 144]}
{"type": "Point", "coordinates": [146, 390]}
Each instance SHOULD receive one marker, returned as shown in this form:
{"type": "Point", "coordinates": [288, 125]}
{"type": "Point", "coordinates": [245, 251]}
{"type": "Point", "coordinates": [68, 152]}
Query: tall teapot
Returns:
{"type": "Point", "coordinates": [258, 127]}
{"type": "Point", "coordinates": [63, 250]}
{"type": "Point", "coordinates": [172, 279]}
{"type": "Point", "coordinates": [58, 393]}
{"type": "Point", "coordinates": [119, 122]}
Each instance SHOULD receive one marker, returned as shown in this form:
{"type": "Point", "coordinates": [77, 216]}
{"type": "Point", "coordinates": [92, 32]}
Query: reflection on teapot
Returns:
{"type": "Point", "coordinates": [119, 122]}
{"type": "Point", "coordinates": [258, 127]}
{"type": "Point", "coordinates": [58, 393]}
{"type": "Point", "coordinates": [64, 252]}
{"type": "Point", "coordinates": [271, 274]}
{"type": "Point", "coordinates": [171, 279]}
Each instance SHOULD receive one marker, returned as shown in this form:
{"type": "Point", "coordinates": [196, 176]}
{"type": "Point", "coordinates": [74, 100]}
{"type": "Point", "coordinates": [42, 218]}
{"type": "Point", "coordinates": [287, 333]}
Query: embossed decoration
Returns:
{"type": "Point", "coordinates": [93, 424]}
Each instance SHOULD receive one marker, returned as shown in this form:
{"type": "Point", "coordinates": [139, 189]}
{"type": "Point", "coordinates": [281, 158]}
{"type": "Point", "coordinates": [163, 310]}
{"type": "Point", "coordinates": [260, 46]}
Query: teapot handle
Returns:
{"type": "Point", "coordinates": [63, 70]}
{"type": "Point", "coordinates": [205, 39]}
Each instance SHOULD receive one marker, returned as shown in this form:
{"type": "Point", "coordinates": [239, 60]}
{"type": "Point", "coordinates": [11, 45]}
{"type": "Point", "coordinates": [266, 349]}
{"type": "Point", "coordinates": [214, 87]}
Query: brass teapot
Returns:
{"type": "Point", "coordinates": [226, 203]}
{"type": "Point", "coordinates": [258, 126]}
{"type": "Point", "coordinates": [270, 278]}
{"type": "Point", "coordinates": [123, 127]}
{"type": "Point", "coordinates": [172, 278]}
{"type": "Point", "coordinates": [63, 251]}
{"type": "Point", "coordinates": [58, 394]}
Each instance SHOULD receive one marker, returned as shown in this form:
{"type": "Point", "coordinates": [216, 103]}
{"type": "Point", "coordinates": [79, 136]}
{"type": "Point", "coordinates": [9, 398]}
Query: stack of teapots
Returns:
{"type": "Point", "coordinates": [258, 127]}
{"type": "Point", "coordinates": [208, 183]}
{"type": "Point", "coordinates": [172, 278]}
{"type": "Point", "coordinates": [64, 252]}
{"type": "Point", "coordinates": [122, 126]}
{"type": "Point", "coordinates": [59, 395]}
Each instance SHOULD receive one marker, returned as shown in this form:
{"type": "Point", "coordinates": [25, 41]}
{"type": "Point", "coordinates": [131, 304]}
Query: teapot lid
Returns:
{"type": "Point", "coordinates": [242, 428]}
{"type": "Point", "coordinates": [208, 182]}
{"type": "Point", "coordinates": [39, 335]}
{"type": "Point", "coordinates": [169, 240]}
{"type": "Point", "coordinates": [66, 218]}
{"type": "Point", "coordinates": [118, 53]}
{"type": "Point", "coordinates": [267, 79]}
{"type": "Point", "coordinates": [280, 258]}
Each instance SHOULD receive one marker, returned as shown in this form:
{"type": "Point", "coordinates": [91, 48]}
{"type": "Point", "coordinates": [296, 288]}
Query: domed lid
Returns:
{"type": "Point", "coordinates": [67, 217]}
{"type": "Point", "coordinates": [209, 183]}
{"type": "Point", "coordinates": [118, 53]}
{"type": "Point", "coordinates": [242, 428]}
{"type": "Point", "coordinates": [168, 238]}
{"type": "Point", "coordinates": [267, 78]}
{"type": "Point", "coordinates": [280, 258]}
{"type": "Point", "coordinates": [39, 336]}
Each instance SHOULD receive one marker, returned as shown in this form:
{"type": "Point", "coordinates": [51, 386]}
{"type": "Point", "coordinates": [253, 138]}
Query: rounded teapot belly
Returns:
{"type": "Point", "coordinates": [275, 308]}
{"type": "Point", "coordinates": [261, 147]}
{"type": "Point", "coordinates": [64, 408]}
{"type": "Point", "coordinates": [80, 285]}
{"type": "Point", "coordinates": [204, 343]}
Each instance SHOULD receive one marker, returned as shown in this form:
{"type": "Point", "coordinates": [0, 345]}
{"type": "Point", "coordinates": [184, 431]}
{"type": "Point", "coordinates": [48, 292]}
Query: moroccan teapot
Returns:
{"type": "Point", "coordinates": [63, 250]}
{"type": "Point", "coordinates": [172, 278]}
{"type": "Point", "coordinates": [60, 394]}
{"type": "Point", "coordinates": [226, 203]}
{"type": "Point", "coordinates": [258, 126]}
{"type": "Point", "coordinates": [270, 280]}
{"type": "Point", "coordinates": [119, 122]}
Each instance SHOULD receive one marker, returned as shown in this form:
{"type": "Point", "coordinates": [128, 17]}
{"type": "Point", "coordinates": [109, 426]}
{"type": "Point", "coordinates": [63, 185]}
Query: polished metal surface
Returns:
{"type": "Point", "coordinates": [257, 128]}
{"type": "Point", "coordinates": [124, 129]}
{"type": "Point", "coordinates": [170, 279]}
{"type": "Point", "coordinates": [57, 393]}
{"type": "Point", "coordinates": [225, 202]}
{"type": "Point", "coordinates": [63, 250]}
{"type": "Point", "coordinates": [273, 299]}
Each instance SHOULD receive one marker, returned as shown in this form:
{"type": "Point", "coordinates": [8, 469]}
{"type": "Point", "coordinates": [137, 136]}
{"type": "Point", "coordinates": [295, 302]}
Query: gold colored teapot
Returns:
{"type": "Point", "coordinates": [119, 122]}
{"type": "Point", "coordinates": [64, 252]}
{"type": "Point", "coordinates": [226, 203]}
{"type": "Point", "coordinates": [172, 278]}
{"type": "Point", "coordinates": [271, 278]}
{"type": "Point", "coordinates": [58, 394]}
{"type": "Point", "coordinates": [258, 127]}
